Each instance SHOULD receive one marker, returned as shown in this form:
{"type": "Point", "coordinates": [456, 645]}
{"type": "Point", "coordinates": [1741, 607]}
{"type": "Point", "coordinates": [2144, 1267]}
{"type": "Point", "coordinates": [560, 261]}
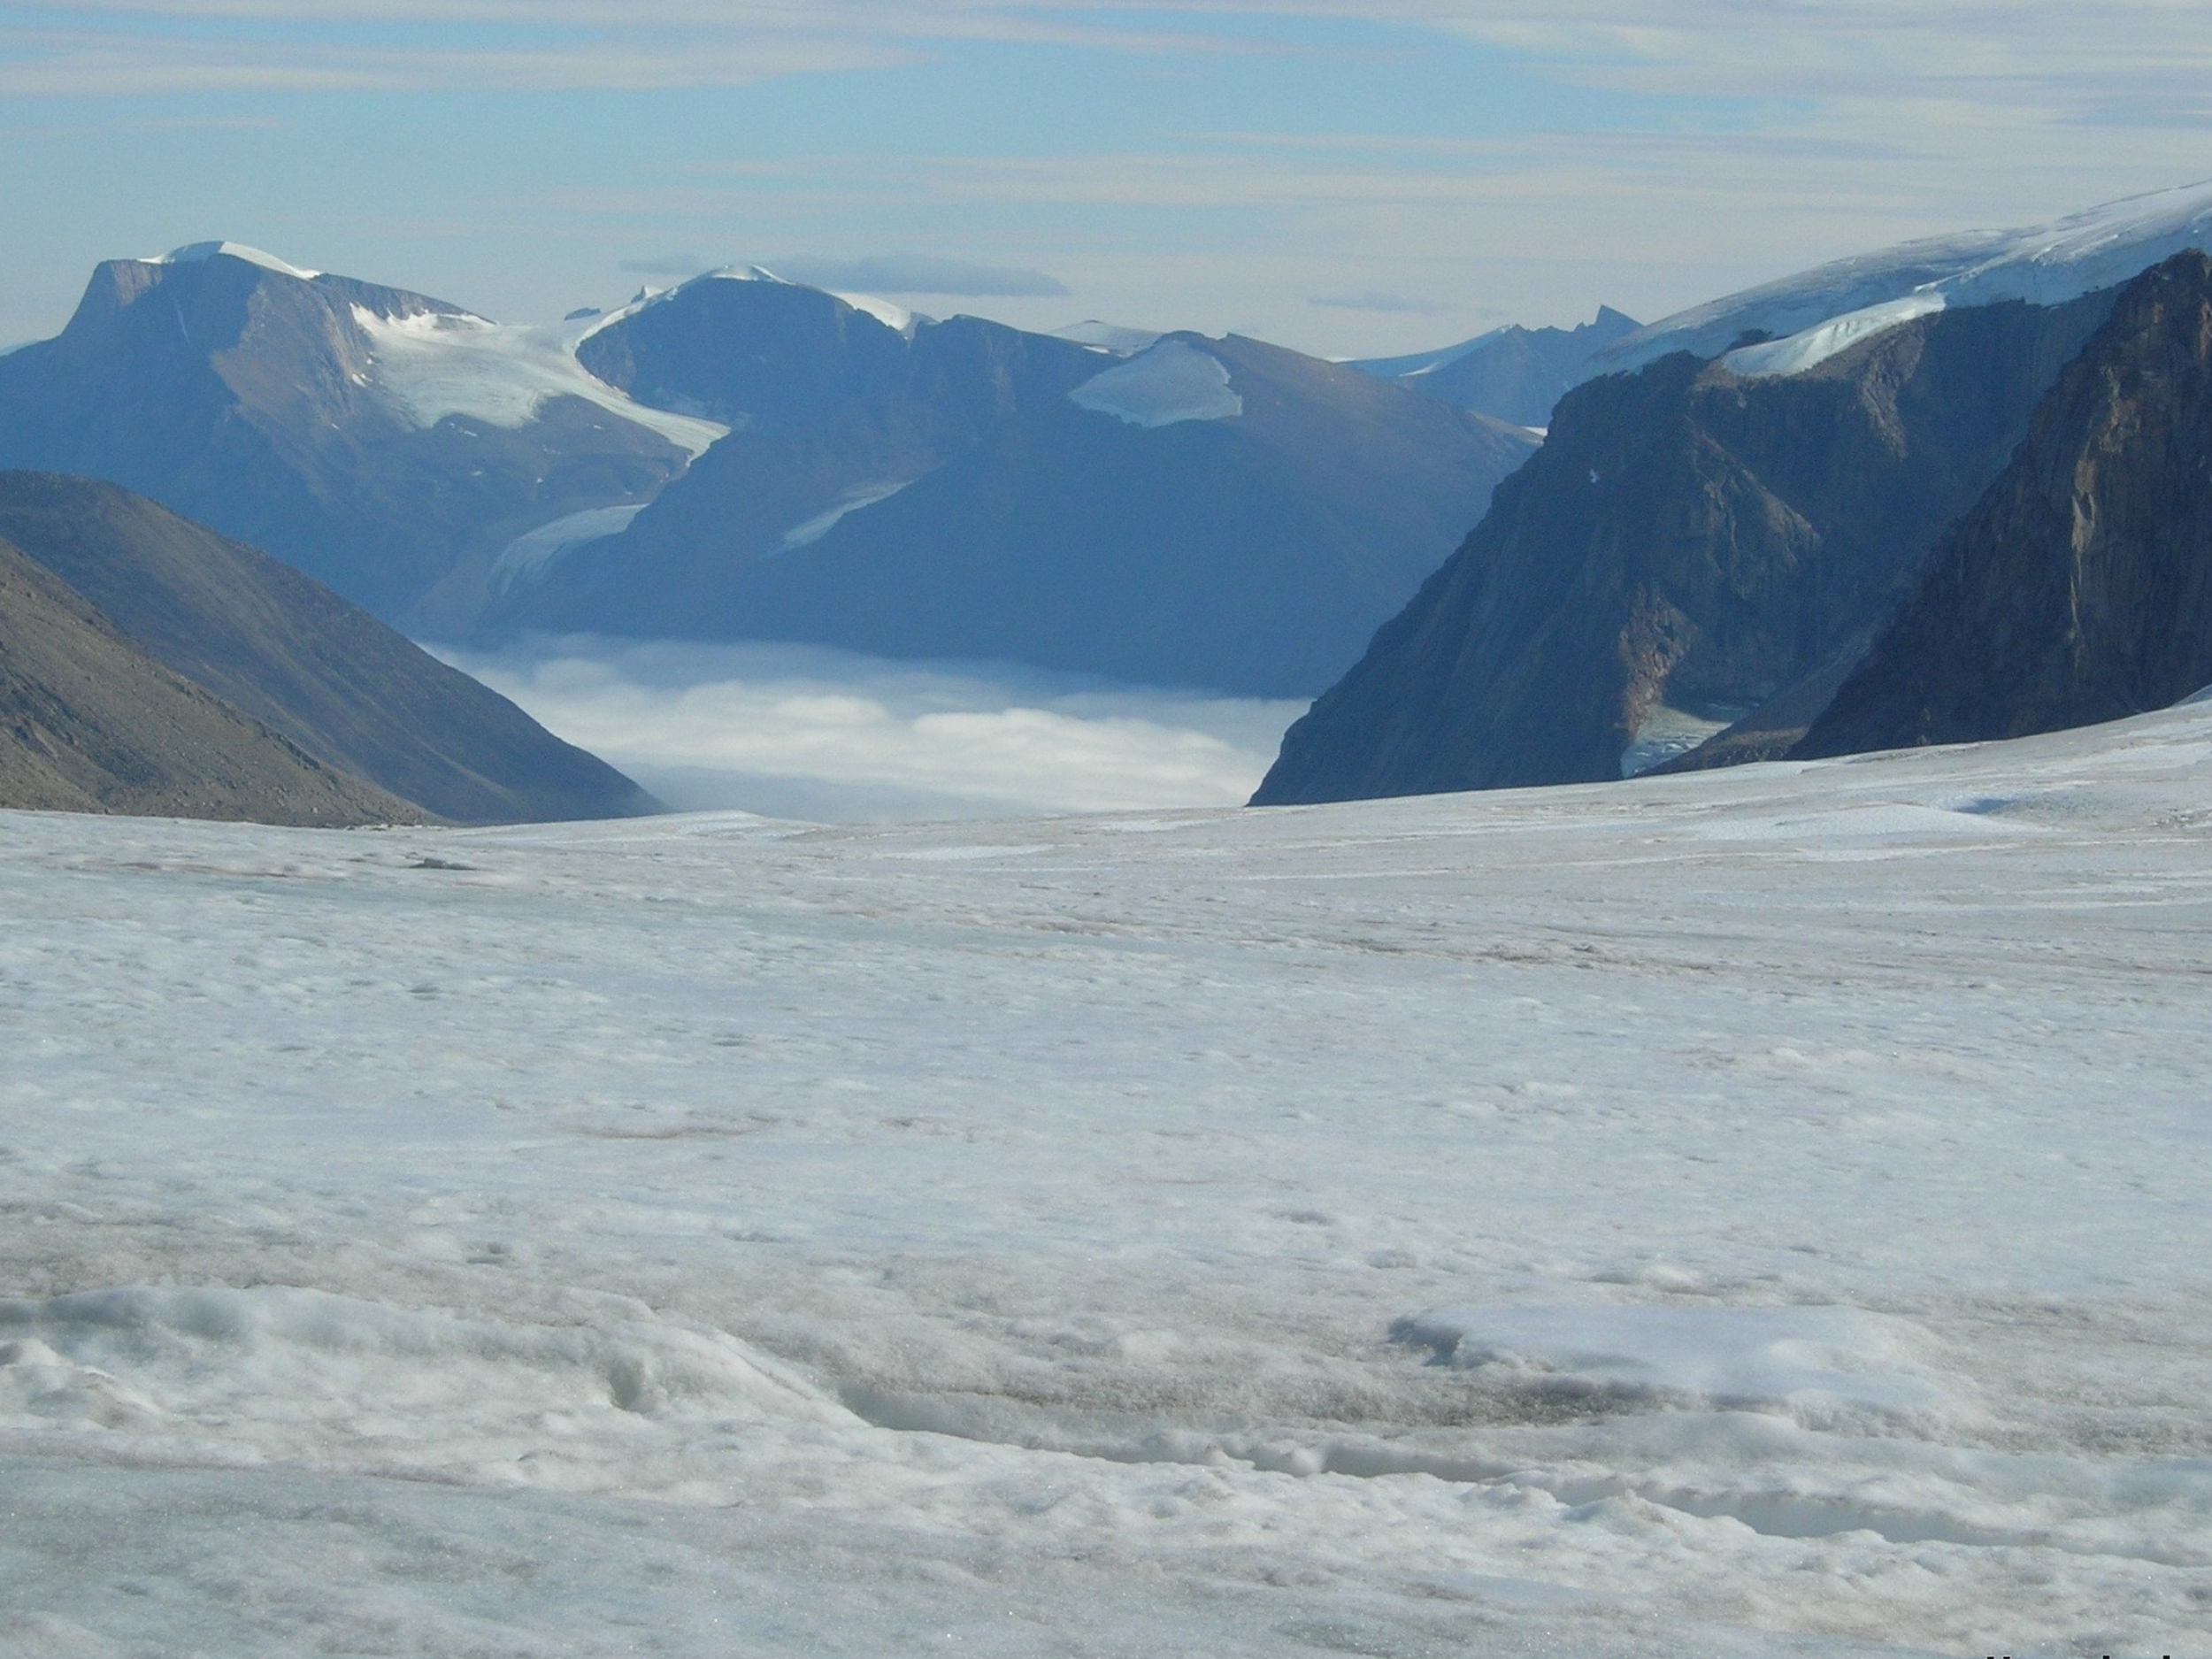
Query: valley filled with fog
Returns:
{"type": "Point", "coordinates": [830, 736]}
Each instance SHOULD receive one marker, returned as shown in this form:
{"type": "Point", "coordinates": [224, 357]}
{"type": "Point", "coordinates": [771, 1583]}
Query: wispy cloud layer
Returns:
{"type": "Point", "coordinates": [1345, 175]}
{"type": "Point", "coordinates": [793, 731]}
{"type": "Point", "coordinates": [921, 273]}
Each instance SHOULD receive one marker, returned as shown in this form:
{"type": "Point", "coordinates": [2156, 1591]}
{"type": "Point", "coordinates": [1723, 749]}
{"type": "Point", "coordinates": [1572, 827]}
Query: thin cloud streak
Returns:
{"type": "Point", "coordinates": [919, 274]}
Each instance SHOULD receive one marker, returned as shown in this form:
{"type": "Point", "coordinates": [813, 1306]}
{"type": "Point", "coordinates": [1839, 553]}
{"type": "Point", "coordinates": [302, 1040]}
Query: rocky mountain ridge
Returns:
{"type": "Point", "coordinates": [2079, 589]}
{"type": "Point", "coordinates": [1690, 546]}
{"type": "Point", "coordinates": [91, 723]}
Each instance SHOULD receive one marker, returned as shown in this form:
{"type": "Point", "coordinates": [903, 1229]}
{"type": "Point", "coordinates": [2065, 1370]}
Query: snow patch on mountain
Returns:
{"type": "Point", "coordinates": [529, 557]}
{"type": "Point", "coordinates": [1808, 318]}
{"type": "Point", "coordinates": [1171, 383]}
{"type": "Point", "coordinates": [851, 502]}
{"type": "Point", "coordinates": [201, 252]}
{"type": "Point", "coordinates": [897, 318]}
{"type": "Point", "coordinates": [436, 365]}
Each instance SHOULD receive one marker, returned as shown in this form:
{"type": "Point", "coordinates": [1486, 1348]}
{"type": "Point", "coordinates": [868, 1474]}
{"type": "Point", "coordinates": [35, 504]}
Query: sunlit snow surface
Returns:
{"type": "Point", "coordinates": [1753, 1213]}
{"type": "Point", "coordinates": [439, 364]}
{"type": "Point", "coordinates": [1811, 317]}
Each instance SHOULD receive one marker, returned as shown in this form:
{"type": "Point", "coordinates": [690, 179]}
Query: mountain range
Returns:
{"type": "Point", "coordinates": [371, 437]}
{"type": "Point", "coordinates": [1218, 513]}
{"type": "Point", "coordinates": [1728, 514]}
{"type": "Point", "coordinates": [741, 457]}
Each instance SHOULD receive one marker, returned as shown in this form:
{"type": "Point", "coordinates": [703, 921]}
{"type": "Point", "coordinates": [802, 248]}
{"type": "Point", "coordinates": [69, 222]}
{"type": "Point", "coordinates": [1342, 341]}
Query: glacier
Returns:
{"type": "Point", "coordinates": [1808, 317]}
{"type": "Point", "coordinates": [1756, 1212]}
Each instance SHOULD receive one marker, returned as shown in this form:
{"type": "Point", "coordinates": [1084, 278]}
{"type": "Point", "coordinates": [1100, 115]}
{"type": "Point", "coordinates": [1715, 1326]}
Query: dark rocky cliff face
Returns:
{"type": "Point", "coordinates": [2079, 587]}
{"type": "Point", "coordinates": [1685, 537]}
{"type": "Point", "coordinates": [294, 657]}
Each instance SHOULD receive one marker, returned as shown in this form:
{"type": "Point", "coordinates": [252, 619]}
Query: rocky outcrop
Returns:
{"type": "Point", "coordinates": [2079, 587]}
{"type": "Point", "coordinates": [281, 651]}
{"type": "Point", "coordinates": [1690, 538]}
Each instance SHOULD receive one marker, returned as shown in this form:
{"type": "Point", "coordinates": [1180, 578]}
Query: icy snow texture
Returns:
{"type": "Point", "coordinates": [711, 1235]}
{"type": "Point", "coordinates": [1163, 387]}
{"type": "Point", "coordinates": [435, 364]}
{"type": "Point", "coordinates": [527, 558]}
{"type": "Point", "coordinates": [1813, 316]}
{"type": "Point", "coordinates": [1699, 1356]}
{"type": "Point", "coordinates": [200, 252]}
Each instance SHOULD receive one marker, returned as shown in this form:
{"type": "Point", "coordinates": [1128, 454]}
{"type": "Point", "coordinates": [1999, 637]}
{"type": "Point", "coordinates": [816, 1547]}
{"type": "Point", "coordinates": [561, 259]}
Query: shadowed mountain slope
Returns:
{"type": "Point", "coordinates": [89, 723]}
{"type": "Point", "coordinates": [295, 657]}
{"type": "Point", "coordinates": [2079, 587]}
{"type": "Point", "coordinates": [1688, 539]}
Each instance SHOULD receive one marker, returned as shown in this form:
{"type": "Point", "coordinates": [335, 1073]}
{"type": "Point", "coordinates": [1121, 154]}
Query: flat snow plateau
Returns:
{"type": "Point", "coordinates": [1757, 1213]}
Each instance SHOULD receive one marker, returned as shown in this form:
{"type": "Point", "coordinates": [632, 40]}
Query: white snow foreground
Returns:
{"type": "Point", "coordinates": [1812, 316]}
{"type": "Point", "coordinates": [1753, 1213]}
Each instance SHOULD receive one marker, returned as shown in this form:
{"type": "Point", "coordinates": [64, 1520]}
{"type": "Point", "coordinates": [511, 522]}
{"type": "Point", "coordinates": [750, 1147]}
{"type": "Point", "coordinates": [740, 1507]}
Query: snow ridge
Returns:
{"type": "Point", "coordinates": [201, 252]}
{"type": "Point", "coordinates": [1810, 318]}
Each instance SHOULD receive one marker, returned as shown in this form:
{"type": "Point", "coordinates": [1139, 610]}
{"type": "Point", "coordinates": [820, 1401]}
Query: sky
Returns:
{"type": "Point", "coordinates": [1349, 177]}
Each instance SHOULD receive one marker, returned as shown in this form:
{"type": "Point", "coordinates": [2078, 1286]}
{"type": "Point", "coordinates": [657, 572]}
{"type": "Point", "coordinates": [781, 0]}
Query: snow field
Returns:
{"type": "Point", "coordinates": [1163, 386]}
{"type": "Point", "coordinates": [435, 364]}
{"type": "Point", "coordinates": [1756, 1212]}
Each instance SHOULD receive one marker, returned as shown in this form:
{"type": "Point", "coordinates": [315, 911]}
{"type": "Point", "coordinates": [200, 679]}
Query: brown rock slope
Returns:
{"type": "Point", "coordinates": [293, 655]}
{"type": "Point", "coordinates": [89, 723]}
{"type": "Point", "coordinates": [2079, 588]}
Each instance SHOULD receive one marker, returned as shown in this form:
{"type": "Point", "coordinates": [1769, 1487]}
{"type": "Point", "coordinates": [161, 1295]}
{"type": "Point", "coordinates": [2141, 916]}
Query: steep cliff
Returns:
{"type": "Point", "coordinates": [2079, 587]}
{"type": "Point", "coordinates": [1691, 543]}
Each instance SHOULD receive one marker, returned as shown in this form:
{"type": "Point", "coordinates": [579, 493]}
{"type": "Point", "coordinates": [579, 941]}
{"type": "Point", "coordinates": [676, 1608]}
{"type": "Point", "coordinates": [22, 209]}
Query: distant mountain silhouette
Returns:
{"type": "Point", "coordinates": [1513, 374]}
{"type": "Point", "coordinates": [373, 438]}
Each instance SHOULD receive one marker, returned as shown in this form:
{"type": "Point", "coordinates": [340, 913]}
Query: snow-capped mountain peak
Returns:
{"type": "Point", "coordinates": [1808, 317]}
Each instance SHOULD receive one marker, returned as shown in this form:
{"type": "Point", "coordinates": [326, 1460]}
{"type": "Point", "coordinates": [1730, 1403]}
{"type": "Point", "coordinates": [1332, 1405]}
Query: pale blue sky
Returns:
{"type": "Point", "coordinates": [1346, 176]}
